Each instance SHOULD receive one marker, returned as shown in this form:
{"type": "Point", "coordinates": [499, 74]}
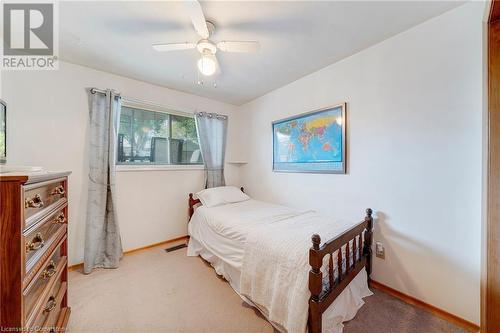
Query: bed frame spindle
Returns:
{"type": "Point", "coordinates": [339, 265]}
{"type": "Point", "coordinates": [347, 259]}
{"type": "Point", "coordinates": [360, 247]}
{"type": "Point", "coordinates": [354, 251]}
{"type": "Point", "coordinates": [330, 272]}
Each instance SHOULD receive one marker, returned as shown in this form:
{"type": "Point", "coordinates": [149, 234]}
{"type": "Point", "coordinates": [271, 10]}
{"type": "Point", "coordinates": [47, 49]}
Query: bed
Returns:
{"type": "Point", "coordinates": [303, 284]}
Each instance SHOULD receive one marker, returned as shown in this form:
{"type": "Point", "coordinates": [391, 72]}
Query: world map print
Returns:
{"type": "Point", "coordinates": [315, 138]}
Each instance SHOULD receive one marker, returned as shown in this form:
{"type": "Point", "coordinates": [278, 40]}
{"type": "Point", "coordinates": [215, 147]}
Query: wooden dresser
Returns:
{"type": "Point", "coordinates": [33, 252]}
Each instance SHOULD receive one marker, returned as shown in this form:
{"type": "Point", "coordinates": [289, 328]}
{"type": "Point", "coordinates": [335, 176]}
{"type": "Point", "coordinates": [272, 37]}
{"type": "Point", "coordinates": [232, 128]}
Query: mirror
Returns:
{"type": "Point", "coordinates": [3, 131]}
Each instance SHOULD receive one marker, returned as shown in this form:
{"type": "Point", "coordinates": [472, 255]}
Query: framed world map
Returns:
{"type": "Point", "coordinates": [311, 142]}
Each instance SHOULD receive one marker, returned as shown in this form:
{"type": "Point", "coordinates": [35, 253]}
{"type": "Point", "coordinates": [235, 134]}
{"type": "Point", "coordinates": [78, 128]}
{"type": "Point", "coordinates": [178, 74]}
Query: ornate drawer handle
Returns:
{"type": "Point", "coordinates": [36, 243]}
{"type": "Point", "coordinates": [59, 219]}
{"type": "Point", "coordinates": [59, 190]}
{"type": "Point", "coordinates": [51, 304]}
{"type": "Point", "coordinates": [49, 271]}
{"type": "Point", "coordinates": [35, 202]}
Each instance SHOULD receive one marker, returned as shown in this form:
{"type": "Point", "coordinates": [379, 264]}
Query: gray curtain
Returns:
{"type": "Point", "coordinates": [212, 131]}
{"type": "Point", "coordinates": [103, 247]}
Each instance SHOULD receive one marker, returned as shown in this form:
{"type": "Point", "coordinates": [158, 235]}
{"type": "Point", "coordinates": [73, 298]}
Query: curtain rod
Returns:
{"type": "Point", "coordinates": [168, 108]}
{"type": "Point", "coordinates": [165, 108]}
{"type": "Point", "coordinates": [130, 100]}
{"type": "Point", "coordinates": [103, 91]}
{"type": "Point", "coordinates": [211, 115]}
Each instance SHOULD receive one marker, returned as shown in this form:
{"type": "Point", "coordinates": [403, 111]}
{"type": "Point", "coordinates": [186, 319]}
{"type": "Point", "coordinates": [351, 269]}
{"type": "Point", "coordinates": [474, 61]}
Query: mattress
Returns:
{"type": "Point", "coordinates": [219, 234]}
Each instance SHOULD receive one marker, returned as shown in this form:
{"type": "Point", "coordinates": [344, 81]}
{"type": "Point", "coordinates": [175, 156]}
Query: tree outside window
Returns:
{"type": "Point", "coordinates": [149, 137]}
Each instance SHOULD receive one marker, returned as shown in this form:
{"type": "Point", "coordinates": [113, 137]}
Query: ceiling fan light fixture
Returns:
{"type": "Point", "coordinates": [207, 65]}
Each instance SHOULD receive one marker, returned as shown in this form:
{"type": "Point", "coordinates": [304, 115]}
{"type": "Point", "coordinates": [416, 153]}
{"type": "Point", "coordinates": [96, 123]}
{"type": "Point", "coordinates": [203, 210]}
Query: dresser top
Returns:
{"type": "Point", "coordinates": [32, 177]}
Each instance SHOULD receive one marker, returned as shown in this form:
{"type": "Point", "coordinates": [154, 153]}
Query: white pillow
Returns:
{"type": "Point", "coordinates": [223, 195]}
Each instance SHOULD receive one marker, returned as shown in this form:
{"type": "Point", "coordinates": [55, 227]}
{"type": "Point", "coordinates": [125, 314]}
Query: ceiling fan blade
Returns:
{"type": "Point", "coordinates": [228, 46]}
{"type": "Point", "coordinates": [173, 46]}
{"type": "Point", "coordinates": [197, 17]}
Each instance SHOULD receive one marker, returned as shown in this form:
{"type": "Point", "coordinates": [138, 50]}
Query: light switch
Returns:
{"type": "Point", "coordinates": [379, 250]}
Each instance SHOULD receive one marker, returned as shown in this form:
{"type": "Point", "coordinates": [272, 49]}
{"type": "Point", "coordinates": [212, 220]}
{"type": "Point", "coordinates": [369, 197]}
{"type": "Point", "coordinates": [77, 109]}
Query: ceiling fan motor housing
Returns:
{"type": "Point", "coordinates": [206, 44]}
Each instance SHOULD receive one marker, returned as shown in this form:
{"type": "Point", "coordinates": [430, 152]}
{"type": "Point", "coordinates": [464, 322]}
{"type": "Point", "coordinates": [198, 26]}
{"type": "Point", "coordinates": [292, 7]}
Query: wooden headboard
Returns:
{"type": "Point", "coordinates": [193, 202]}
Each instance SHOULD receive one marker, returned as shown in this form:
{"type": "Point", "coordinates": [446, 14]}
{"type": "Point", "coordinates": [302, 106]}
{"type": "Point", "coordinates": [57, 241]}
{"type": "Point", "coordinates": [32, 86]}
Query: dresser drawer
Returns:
{"type": "Point", "coordinates": [41, 198]}
{"type": "Point", "coordinates": [49, 313]}
{"type": "Point", "coordinates": [41, 240]}
{"type": "Point", "coordinates": [50, 325]}
{"type": "Point", "coordinates": [44, 278]}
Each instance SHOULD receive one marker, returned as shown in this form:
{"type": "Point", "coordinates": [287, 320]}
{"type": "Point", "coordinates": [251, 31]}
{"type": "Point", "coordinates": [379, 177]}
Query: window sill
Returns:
{"type": "Point", "coordinates": [132, 168]}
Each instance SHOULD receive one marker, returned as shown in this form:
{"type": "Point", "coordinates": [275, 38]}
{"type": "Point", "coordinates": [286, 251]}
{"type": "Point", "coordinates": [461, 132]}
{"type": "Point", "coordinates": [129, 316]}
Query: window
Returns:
{"type": "Point", "coordinates": [151, 137]}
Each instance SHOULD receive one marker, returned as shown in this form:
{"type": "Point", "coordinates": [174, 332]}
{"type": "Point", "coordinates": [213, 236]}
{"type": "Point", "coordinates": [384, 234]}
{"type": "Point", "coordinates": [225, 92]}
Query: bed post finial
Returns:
{"type": "Point", "coordinates": [315, 285]}
{"type": "Point", "coordinates": [367, 249]}
{"type": "Point", "coordinates": [316, 239]}
{"type": "Point", "coordinates": [191, 203]}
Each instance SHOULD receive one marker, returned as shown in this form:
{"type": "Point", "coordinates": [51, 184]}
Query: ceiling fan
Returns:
{"type": "Point", "coordinates": [207, 64]}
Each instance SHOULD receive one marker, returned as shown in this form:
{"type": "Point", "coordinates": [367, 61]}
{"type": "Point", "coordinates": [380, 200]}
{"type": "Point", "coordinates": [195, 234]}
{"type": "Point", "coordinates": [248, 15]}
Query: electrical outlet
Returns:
{"type": "Point", "coordinates": [379, 250]}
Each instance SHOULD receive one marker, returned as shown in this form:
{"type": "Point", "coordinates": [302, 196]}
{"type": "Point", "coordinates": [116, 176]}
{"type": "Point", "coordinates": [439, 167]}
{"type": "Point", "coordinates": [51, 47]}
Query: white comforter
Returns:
{"type": "Point", "coordinates": [275, 267]}
{"type": "Point", "coordinates": [235, 221]}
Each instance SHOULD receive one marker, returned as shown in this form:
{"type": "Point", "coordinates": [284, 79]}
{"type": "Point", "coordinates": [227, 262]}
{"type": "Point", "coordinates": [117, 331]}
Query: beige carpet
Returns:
{"type": "Point", "coordinates": [155, 291]}
{"type": "Point", "coordinates": [383, 313]}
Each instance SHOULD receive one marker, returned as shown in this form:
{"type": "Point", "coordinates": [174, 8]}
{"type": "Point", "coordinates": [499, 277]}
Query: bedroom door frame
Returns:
{"type": "Point", "coordinates": [490, 307]}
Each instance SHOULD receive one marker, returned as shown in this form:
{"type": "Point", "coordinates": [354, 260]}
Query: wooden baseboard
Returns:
{"type": "Point", "coordinates": [471, 327]}
{"type": "Point", "coordinates": [75, 267]}
{"type": "Point", "coordinates": [139, 249]}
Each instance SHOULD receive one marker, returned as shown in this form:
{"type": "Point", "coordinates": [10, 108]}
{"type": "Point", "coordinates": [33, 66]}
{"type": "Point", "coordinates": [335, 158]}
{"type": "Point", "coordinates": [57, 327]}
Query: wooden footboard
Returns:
{"type": "Point", "coordinates": [356, 242]}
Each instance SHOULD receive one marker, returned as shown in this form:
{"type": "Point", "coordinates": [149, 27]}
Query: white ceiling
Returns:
{"type": "Point", "coordinates": [297, 38]}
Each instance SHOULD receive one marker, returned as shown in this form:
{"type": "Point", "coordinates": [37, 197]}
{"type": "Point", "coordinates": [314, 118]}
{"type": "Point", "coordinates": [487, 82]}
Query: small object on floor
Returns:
{"type": "Point", "coordinates": [177, 247]}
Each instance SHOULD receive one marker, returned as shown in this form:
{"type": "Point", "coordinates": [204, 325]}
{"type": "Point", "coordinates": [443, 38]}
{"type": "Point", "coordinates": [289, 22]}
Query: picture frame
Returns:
{"type": "Point", "coordinates": [311, 142]}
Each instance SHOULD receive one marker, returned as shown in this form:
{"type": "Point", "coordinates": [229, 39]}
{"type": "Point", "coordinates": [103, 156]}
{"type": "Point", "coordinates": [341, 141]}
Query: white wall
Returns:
{"type": "Point", "coordinates": [414, 154]}
{"type": "Point", "coordinates": [48, 126]}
